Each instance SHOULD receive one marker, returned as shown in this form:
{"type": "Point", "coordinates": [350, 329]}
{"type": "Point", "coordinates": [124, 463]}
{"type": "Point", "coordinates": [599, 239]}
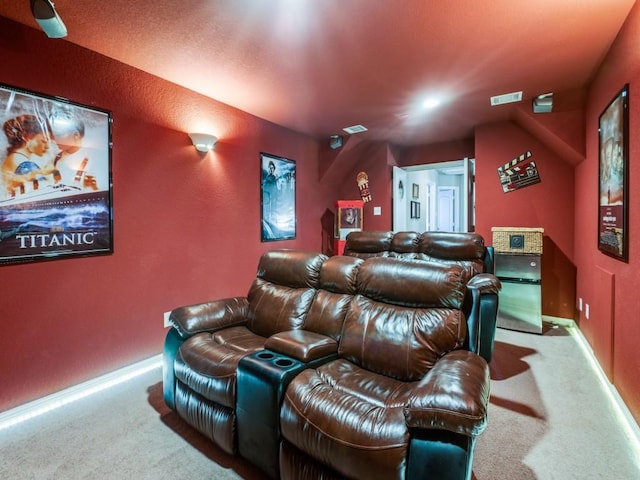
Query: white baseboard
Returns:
{"type": "Point", "coordinates": [56, 400]}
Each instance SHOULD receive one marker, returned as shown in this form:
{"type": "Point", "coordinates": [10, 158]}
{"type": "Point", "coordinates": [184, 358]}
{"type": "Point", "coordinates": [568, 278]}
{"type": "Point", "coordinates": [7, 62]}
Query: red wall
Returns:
{"type": "Point", "coordinates": [186, 227]}
{"type": "Point", "coordinates": [609, 286]}
{"type": "Point", "coordinates": [548, 204]}
{"type": "Point", "coordinates": [339, 170]}
{"type": "Point", "coordinates": [439, 152]}
{"type": "Point", "coordinates": [376, 162]}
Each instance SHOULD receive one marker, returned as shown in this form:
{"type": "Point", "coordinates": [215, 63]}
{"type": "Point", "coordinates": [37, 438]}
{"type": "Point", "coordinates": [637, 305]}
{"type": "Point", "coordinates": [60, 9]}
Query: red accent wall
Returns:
{"type": "Point", "coordinates": [548, 204]}
{"type": "Point", "coordinates": [439, 152]}
{"type": "Point", "coordinates": [186, 227]}
{"type": "Point", "coordinates": [376, 160]}
{"type": "Point", "coordinates": [615, 343]}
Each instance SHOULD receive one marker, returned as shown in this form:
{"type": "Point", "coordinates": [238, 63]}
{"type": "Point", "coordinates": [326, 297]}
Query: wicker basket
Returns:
{"type": "Point", "coordinates": [517, 240]}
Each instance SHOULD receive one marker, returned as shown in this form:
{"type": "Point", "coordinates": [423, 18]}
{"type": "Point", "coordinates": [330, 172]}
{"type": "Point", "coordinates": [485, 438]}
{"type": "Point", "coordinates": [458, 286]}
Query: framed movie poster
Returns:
{"type": "Point", "coordinates": [613, 181]}
{"type": "Point", "coordinates": [277, 198]}
{"type": "Point", "coordinates": [55, 178]}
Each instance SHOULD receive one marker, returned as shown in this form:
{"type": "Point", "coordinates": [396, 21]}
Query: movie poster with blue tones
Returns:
{"type": "Point", "coordinates": [278, 198]}
{"type": "Point", "coordinates": [55, 178]}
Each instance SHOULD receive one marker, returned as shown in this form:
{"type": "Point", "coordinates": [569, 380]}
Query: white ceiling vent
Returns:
{"type": "Point", "coordinates": [355, 129]}
{"type": "Point", "coordinates": [506, 98]}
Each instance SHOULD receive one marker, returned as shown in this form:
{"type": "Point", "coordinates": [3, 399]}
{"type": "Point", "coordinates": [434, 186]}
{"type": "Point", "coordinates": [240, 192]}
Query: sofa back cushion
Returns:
{"type": "Point", "coordinates": [464, 249]}
{"type": "Point", "coordinates": [368, 244]}
{"type": "Point", "coordinates": [404, 245]}
{"type": "Point", "coordinates": [405, 316]}
{"type": "Point", "coordinates": [282, 293]}
{"type": "Point", "coordinates": [337, 286]}
{"type": "Point", "coordinates": [453, 248]}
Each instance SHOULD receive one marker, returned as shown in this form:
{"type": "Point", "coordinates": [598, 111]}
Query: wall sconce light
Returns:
{"type": "Point", "coordinates": [203, 141]}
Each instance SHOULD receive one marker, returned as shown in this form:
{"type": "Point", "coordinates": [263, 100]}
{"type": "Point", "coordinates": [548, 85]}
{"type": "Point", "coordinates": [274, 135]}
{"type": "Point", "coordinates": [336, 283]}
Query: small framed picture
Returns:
{"type": "Point", "coordinates": [415, 209]}
{"type": "Point", "coordinates": [416, 191]}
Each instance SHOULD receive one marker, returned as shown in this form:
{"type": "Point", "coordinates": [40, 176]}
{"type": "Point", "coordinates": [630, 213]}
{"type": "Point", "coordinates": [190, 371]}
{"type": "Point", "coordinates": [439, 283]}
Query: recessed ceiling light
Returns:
{"type": "Point", "coordinates": [355, 129]}
{"type": "Point", "coordinates": [431, 103]}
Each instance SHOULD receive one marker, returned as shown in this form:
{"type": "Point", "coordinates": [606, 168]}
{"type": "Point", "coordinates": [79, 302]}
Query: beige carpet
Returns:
{"type": "Point", "coordinates": [549, 419]}
{"type": "Point", "coordinates": [549, 416]}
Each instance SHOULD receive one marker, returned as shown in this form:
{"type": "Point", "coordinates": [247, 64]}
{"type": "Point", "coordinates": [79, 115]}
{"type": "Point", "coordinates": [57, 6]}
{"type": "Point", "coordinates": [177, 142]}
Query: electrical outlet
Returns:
{"type": "Point", "coordinates": [586, 311]}
{"type": "Point", "coordinates": [377, 210]}
{"type": "Point", "coordinates": [580, 304]}
{"type": "Point", "coordinates": [167, 323]}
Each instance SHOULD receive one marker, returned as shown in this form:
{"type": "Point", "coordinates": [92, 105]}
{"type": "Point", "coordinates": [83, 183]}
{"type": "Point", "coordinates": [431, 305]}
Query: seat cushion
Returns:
{"type": "Point", "coordinates": [206, 363]}
{"type": "Point", "coordinates": [350, 418]}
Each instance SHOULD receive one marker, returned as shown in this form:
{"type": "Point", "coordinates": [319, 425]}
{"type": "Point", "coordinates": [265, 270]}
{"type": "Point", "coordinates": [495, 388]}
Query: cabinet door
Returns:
{"type": "Point", "coordinates": [521, 266]}
{"type": "Point", "coordinates": [520, 306]}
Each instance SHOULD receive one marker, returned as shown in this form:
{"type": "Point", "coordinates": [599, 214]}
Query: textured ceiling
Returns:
{"type": "Point", "coordinates": [316, 66]}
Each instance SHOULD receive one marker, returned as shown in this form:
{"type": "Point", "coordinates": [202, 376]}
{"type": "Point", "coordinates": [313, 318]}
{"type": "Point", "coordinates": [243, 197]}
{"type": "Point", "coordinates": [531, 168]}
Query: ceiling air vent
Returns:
{"type": "Point", "coordinates": [506, 98]}
{"type": "Point", "coordinates": [355, 129]}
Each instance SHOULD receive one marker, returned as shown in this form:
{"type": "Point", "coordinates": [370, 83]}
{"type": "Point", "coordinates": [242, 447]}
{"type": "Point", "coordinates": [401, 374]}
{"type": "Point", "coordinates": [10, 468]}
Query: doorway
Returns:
{"type": "Point", "coordinates": [437, 196]}
{"type": "Point", "coordinates": [448, 217]}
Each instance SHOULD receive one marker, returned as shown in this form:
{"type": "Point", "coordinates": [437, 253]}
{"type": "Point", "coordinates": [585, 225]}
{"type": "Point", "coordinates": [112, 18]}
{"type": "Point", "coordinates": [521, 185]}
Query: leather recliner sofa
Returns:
{"type": "Point", "coordinates": [207, 340]}
{"type": "Point", "coordinates": [450, 248]}
{"type": "Point", "coordinates": [335, 368]}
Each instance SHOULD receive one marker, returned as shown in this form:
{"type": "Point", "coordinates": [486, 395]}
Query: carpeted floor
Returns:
{"type": "Point", "coordinates": [548, 419]}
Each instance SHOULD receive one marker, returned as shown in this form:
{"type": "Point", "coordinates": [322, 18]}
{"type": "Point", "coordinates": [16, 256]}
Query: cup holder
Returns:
{"type": "Point", "coordinates": [266, 355]}
{"type": "Point", "coordinates": [283, 362]}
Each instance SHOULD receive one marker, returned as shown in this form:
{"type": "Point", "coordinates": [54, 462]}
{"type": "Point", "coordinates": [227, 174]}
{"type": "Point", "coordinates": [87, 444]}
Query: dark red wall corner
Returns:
{"type": "Point", "coordinates": [548, 204]}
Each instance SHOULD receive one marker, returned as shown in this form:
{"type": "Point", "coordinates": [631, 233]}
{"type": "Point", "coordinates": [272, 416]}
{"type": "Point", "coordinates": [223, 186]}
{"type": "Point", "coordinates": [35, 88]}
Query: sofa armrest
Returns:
{"type": "Point", "coordinates": [482, 311]}
{"type": "Point", "coordinates": [453, 396]}
{"type": "Point", "coordinates": [209, 316]}
{"type": "Point", "coordinates": [302, 345]}
{"type": "Point", "coordinates": [485, 283]}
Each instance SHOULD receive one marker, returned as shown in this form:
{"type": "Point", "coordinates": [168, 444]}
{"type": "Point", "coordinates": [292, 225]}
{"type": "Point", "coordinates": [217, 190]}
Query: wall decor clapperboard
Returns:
{"type": "Point", "coordinates": [518, 173]}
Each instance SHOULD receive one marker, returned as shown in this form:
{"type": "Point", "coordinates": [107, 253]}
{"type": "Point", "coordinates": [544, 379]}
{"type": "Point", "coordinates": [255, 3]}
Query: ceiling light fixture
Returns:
{"type": "Point", "coordinates": [45, 14]}
{"type": "Point", "coordinates": [431, 103]}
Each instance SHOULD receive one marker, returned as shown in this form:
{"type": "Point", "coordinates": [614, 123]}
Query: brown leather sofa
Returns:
{"type": "Point", "coordinates": [207, 341]}
{"type": "Point", "coordinates": [450, 248]}
{"type": "Point", "coordinates": [335, 368]}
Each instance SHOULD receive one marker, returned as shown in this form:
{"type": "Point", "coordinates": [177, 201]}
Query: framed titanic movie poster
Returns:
{"type": "Point", "coordinates": [613, 181]}
{"type": "Point", "coordinates": [55, 178]}
{"type": "Point", "coordinates": [278, 198]}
